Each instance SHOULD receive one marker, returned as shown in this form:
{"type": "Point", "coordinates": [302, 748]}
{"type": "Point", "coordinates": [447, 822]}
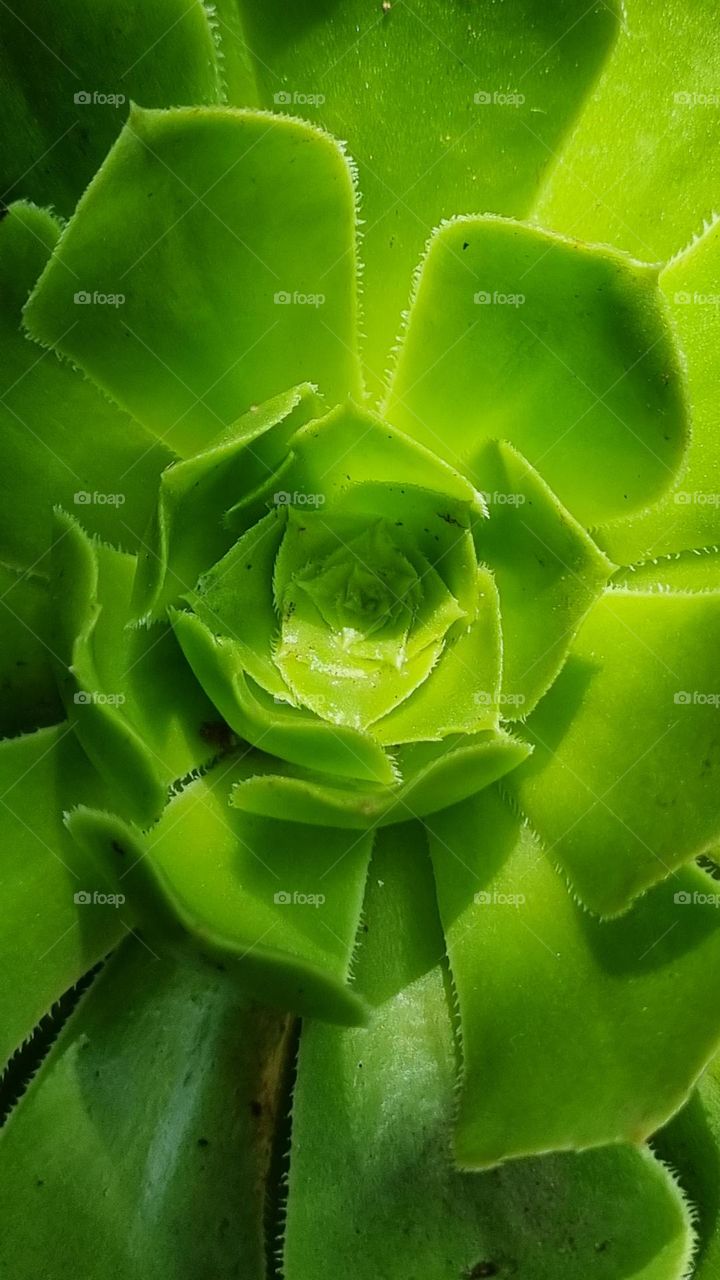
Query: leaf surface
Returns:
{"type": "Point", "coordinates": [576, 1032]}
{"type": "Point", "coordinates": [269, 902]}
{"type": "Point", "coordinates": [625, 799]}
{"type": "Point", "coordinates": [372, 1190]}
{"type": "Point", "coordinates": [447, 109]}
{"type": "Point", "coordinates": [69, 73]}
{"type": "Point", "coordinates": [559, 347]}
{"type": "Point", "coordinates": [267, 270]}
{"type": "Point", "coordinates": [146, 1133]}
{"type": "Point", "coordinates": [48, 940]}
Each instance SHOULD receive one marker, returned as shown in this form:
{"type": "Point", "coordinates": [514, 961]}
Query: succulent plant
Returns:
{"type": "Point", "coordinates": [360, 731]}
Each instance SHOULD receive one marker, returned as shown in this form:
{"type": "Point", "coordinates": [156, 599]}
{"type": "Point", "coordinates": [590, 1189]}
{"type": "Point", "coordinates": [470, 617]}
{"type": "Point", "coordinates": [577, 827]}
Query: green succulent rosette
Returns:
{"type": "Point", "coordinates": [381, 700]}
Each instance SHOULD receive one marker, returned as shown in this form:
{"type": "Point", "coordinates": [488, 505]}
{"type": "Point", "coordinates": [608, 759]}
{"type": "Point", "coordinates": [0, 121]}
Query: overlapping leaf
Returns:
{"type": "Point", "coordinates": [575, 1032]}
{"type": "Point", "coordinates": [142, 721]}
{"type": "Point", "coordinates": [625, 799]}
{"type": "Point", "coordinates": [560, 348]}
{"type": "Point", "coordinates": [61, 440]}
{"type": "Point", "coordinates": [369, 1162]}
{"type": "Point", "coordinates": [50, 936]}
{"type": "Point", "coordinates": [69, 73]}
{"type": "Point", "coordinates": [497, 100]}
{"type": "Point", "coordinates": [650, 190]}
{"type": "Point", "coordinates": [264, 900]}
{"type": "Point", "coordinates": [267, 271]}
{"type": "Point", "coordinates": [142, 1146]}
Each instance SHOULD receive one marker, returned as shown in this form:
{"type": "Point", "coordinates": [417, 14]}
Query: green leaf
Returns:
{"type": "Point", "coordinates": [61, 440]}
{"type": "Point", "coordinates": [558, 347]}
{"type": "Point", "coordinates": [648, 192]}
{"type": "Point", "coordinates": [272, 723]}
{"type": "Point", "coordinates": [697, 570]}
{"type": "Point", "coordinates": [267, 271]}
{"type": "Point", "coordinates": [146, 1135]}
{"type": "Point", "coordinates": [576, 1032]}
{"type": "Point", "coordinates": [447, 108]}
{"type": "Point", "coordinates": [129, 693]}
{"type": "Point", "coordinates": [189, 531]}
{"type": "Point", "coordinates": [431, 775]}
{"type": "Point", "coordinates": [689, 1144]}
{"type": "Point", "coordinates": [462, 693]}
{"type": "Point", "coordinates": [49, 940]}
{"type": "Point", "coordinates": [30, 698]}
{"type": "Point", "coordinates": [69, 72]}
{"type": "Point", "coordinates": [270, 903]}
{"type": "Point", "coordinates": [352, 458]}
{"type": "Point", "coordinates": [547, 569]}
{"type": "Point", "coordinates": [623, 799]}
{"type": "Point", "coordinates": [688, 516]}
{"type": "Point", "coordinates": [361, 625]}
{"type": "Point", "coordinates": [369, 1145]}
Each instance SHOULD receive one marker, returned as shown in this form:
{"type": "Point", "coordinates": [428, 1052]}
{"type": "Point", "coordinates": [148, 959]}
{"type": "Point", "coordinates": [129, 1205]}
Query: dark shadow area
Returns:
{"type": "Point", "coordinates": [689, 1145]}
{"type": "Point", "coordinates": [29, 1057]}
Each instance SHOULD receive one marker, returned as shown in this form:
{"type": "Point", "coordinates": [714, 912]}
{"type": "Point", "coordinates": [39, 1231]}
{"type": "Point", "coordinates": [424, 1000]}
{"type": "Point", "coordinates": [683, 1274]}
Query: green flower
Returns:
{"type": "Point", "coordinates": [384, 701]}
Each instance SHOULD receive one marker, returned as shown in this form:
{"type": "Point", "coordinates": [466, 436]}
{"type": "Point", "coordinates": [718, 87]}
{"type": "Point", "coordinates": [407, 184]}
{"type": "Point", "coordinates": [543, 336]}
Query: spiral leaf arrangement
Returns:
{"type": "Point", "coordinates": [381, 700]}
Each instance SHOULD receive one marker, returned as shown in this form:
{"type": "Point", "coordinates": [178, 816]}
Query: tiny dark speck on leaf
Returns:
{"type": "Point", "coordinates": [4, 211]}
{"type": "Point", "coordinates": [117, 848]}
{"type": "Point", "coordinates": [482, 1269]}
{"type": "Point", "coordinates": [256, 1107]}
{"type": "Point", "coordinates": [466, 245]}
{"type": "Point", "coordinates": [203, 1142]}
{"type": "Point", "coordinates": [41, 1181]}
{"type": "Point", "coordinates": [600, 1248]}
